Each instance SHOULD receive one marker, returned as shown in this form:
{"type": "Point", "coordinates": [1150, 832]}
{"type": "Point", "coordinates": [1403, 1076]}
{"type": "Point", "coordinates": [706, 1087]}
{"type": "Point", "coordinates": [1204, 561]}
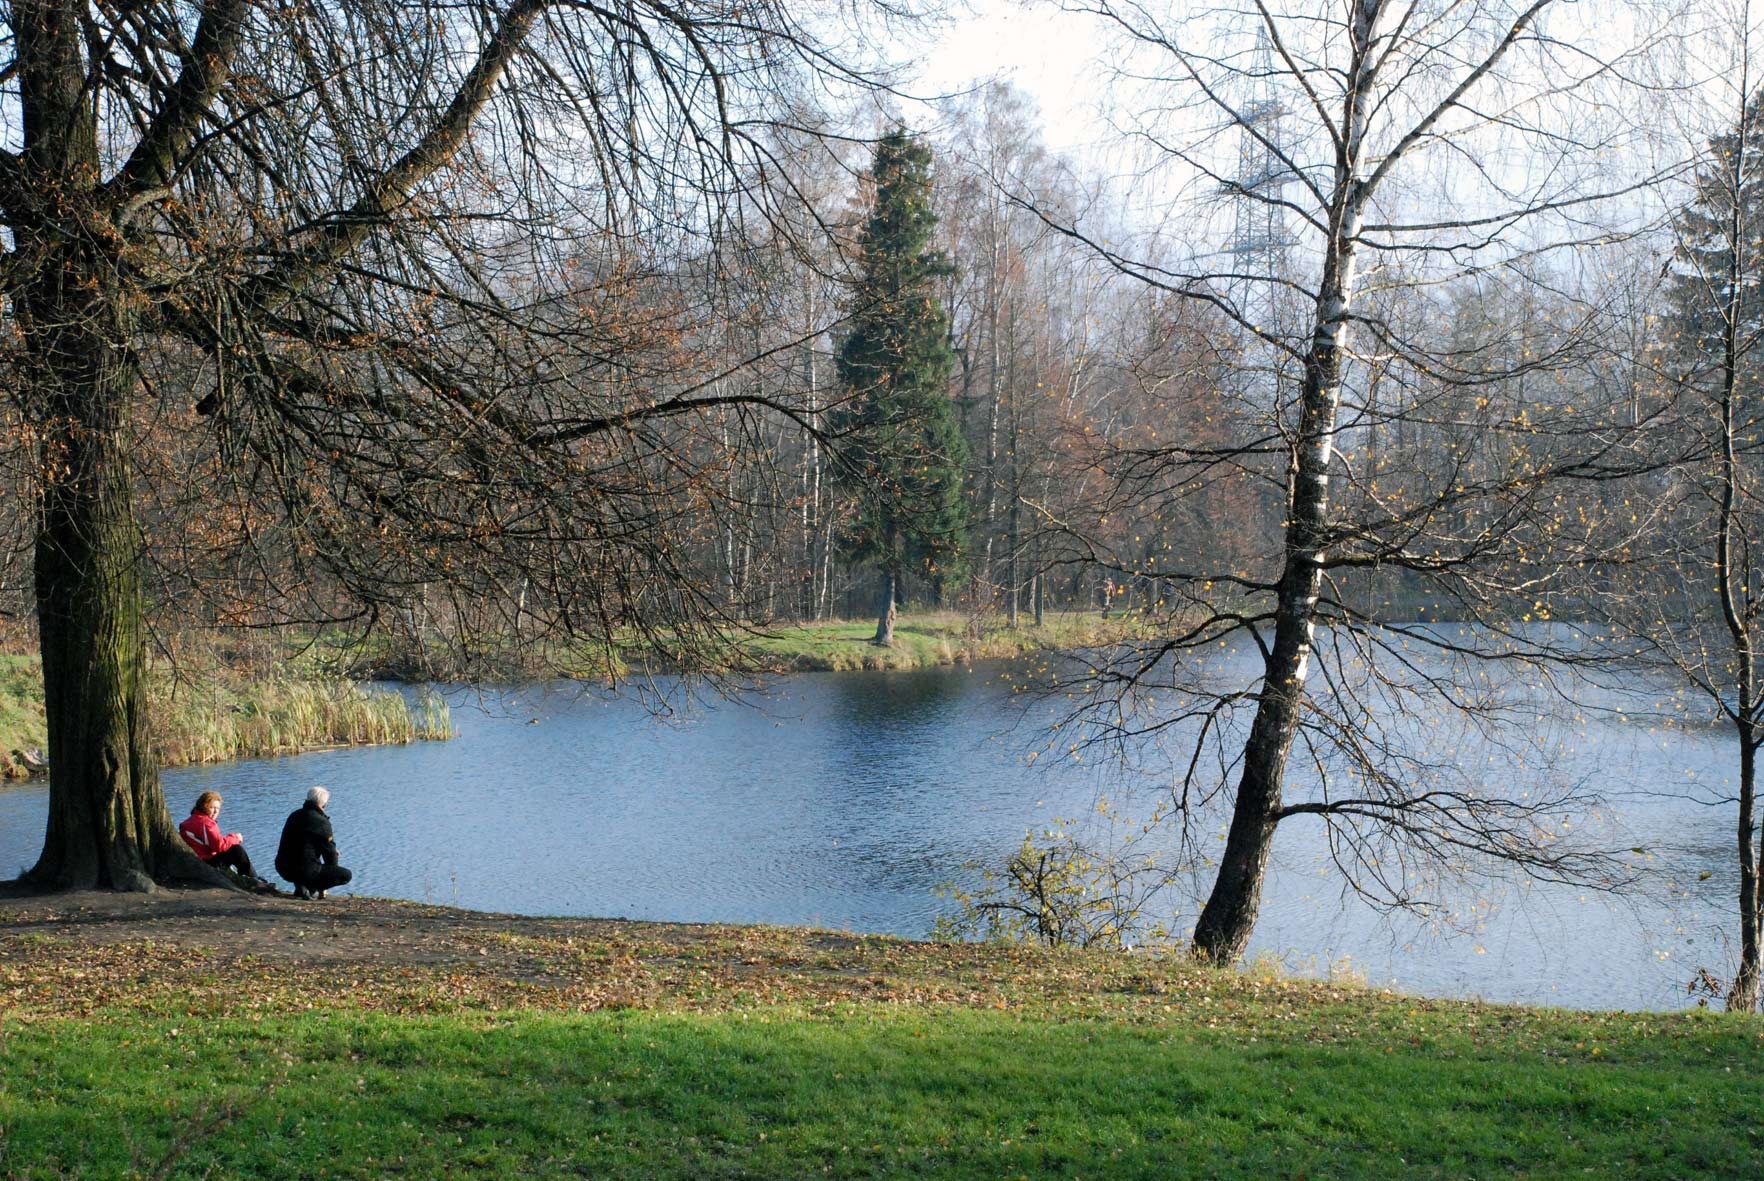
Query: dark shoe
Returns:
{"type": "Point", "coordinates": [301, 893]}
{"type": "Point", "coordinates": [265, 886]}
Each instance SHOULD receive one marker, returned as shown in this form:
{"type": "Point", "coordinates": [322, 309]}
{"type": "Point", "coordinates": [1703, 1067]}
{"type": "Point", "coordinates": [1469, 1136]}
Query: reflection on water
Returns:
{"type": "Point", "coordinates": [844, 800]}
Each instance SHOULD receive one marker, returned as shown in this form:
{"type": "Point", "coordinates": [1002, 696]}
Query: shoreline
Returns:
{"type": "Point", "coordinates": [370, 931]}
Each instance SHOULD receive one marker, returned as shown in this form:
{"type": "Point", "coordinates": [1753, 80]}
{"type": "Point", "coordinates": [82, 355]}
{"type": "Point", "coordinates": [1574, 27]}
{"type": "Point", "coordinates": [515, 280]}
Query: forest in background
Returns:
{"type": "Point", "coordinates": [1080, 390]}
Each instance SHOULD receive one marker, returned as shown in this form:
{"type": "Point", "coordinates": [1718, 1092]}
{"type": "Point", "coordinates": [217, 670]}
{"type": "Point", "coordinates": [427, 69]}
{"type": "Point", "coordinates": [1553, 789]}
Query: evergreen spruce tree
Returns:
{"type": "Point", "coordinates": [905, 453]}
{"type": "Point", "coordinates": [1717, 282]}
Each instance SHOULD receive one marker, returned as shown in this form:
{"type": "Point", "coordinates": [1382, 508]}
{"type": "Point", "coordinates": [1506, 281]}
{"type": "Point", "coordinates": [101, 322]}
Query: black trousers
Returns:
{"type": "Point", "coordinates": [323, 878]}
{"type": "Point", "coordinates": [236, 858]}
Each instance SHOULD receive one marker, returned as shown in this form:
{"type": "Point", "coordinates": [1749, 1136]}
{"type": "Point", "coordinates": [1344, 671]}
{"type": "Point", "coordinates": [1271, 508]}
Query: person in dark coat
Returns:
{"type": "Point", "coordinates": [307, 855]}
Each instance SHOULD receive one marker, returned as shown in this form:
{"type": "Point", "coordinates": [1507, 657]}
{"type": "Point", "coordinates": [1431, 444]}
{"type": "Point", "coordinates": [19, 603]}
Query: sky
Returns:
{"type": "Point", "coordinates": [1051, 55]}
{"type": "Point", "coordinates": [1061, 60]}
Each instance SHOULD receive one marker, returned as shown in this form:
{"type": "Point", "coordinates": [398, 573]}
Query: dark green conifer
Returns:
{"type": "Point", "coordinates": [905, 453]}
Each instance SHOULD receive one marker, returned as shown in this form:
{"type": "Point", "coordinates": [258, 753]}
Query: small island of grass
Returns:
{"type": "Point", "coordinates": [931, 638]}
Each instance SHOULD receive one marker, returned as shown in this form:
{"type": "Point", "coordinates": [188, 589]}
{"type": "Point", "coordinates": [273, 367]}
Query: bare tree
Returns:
{"type": "Point", "coordinates": [1697, 604]}
{"type": "Point", "coordinates": [415, 256]}
{"type": "Point", "coordinates": [1392, 157]}
{"type": "Point", "coordinates": [991, 303]}
{"type": "Point", "coordinates": [1055, 347]}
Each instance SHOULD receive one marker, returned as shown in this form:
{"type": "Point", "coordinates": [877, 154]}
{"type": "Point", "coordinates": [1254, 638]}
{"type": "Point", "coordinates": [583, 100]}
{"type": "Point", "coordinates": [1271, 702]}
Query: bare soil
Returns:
{"type": "Point", "coordinates": [221, 949]}
{"type": "Point", "coordinates": [340, 928]}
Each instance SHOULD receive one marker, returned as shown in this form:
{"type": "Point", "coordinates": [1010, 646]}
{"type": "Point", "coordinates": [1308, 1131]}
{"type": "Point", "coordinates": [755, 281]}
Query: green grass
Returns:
{"type": "Point", "coordinates": [22, 725]}
{"type": "Point", "coordinates": [862, 1093]}
{"type": "Point", "coordinates": [638, 1050]}
{"type": "Point", "coordinates": [932, 638]}
{"type": "Point", "coordinates": [921, 640]}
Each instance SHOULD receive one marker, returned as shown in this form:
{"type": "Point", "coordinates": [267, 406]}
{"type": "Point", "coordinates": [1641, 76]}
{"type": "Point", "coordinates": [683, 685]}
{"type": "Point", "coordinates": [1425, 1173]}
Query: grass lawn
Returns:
{"type": "Point", "coordinates": [863, 1093]}
{"type": "Point", "coordinates": [866, 1093]}
{"type": "Point", "coordinates": [641, 1050]}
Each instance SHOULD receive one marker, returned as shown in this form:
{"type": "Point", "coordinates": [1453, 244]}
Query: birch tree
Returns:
{"type": "Point", "coordinates": [1394, 146]}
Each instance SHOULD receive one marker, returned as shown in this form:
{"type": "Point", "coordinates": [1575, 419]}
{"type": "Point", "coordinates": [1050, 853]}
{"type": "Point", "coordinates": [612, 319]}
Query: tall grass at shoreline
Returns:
{"type": "Point", "coordinates": [215, 720]}
{"type": "Point", "coordinates": [218, 714]}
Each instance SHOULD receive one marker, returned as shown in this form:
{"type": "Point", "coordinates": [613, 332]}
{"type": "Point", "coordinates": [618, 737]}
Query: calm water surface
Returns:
{"type": "Point", "coordinates": [845, 800]}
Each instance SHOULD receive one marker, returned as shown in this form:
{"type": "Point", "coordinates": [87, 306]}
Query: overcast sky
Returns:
{"type": "Point", "coordinates": [1049, 54]}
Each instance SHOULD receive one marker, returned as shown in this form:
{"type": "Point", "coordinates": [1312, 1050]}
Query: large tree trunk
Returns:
{"type": "Point", "coordinates": [1733, 575]}
{"type": "Point", "coordinates": [107, 819]}
{"type": "Point", "coordinates": [886, 613]}
{"type": "Point", "coordinates": [1225, 923]}
{"type": "Point", "coordinates": [108, 825]}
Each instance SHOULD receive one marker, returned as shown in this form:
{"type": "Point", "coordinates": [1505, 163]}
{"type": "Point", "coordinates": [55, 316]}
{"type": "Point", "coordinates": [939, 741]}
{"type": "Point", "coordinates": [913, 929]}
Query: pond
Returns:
{"type": "Point", "coordinates": [845, 800]}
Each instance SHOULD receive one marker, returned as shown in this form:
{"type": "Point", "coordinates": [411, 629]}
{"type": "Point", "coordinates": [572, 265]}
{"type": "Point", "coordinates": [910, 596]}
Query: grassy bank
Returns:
{"type": "Point", "coordinates": [22, 726]}
{"type": "Point", "coordinates": [220, 714]}
{"type": "Point", "coordinates": [213, 711]}
{"type": "Point", "coordinates": [638, 1050]}
{"type": "Point", "coordinates": [932, 638]}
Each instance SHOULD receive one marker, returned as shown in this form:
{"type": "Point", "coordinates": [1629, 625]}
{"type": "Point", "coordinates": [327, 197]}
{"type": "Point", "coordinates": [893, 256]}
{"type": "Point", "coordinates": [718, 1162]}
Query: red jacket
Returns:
{"type": "Point", "coordinates": [203, 835]}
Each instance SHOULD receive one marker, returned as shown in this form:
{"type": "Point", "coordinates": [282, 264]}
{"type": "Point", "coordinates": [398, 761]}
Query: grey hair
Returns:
{"type": "Point", "coordinates": [318, 795]}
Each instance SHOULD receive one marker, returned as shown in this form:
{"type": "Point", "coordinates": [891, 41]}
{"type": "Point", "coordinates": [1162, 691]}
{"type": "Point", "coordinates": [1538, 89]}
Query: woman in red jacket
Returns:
{"type": "Point", "coordinates": [216, 848]}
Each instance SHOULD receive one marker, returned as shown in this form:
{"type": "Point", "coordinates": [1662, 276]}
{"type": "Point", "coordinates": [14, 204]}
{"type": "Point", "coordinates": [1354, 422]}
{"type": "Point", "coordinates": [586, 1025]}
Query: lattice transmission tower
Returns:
{"type": "Point", "coordinates": [1260, 239]}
